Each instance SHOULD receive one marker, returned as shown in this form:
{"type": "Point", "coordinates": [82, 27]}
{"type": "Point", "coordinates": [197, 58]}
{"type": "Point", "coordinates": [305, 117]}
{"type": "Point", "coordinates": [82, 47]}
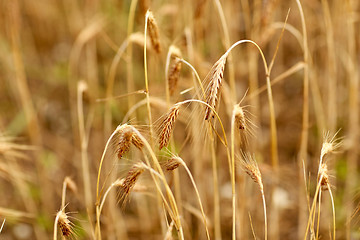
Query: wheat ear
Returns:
{"type": "Point", "coordinates": [214, 78]}
{"type": "Point", "coordinates": [251, 167]}
{"type": "Point", "coordinates": [153, 32]}
{"type": "Point", "coordinates": [167, 125]}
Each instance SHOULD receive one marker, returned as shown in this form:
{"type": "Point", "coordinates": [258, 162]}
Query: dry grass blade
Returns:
{"type": "Point", "coordinates": [9, 148]}
{"type": "Point", "coordinates": [129, 182]}
{"type": "Point", "coordinates": [214, 79]}
{"type": "Point", "coordinates": [154, 32]}
{"type": "Point", "coordinates": [167, 126]}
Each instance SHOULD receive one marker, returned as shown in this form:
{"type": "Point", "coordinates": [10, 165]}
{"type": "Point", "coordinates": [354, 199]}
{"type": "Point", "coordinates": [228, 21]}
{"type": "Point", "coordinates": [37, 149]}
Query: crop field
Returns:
{"type": "Point", "coordinates": [204, 119]}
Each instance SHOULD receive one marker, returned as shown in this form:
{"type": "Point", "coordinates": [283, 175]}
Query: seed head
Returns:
{"type": "Point", "coordinates": [214, 77]}
{"type": "Point", "coordinates": [153, 32]}
{"type": "Point", "coordinates": [167, 126]}
{"type": "Point", "coordinates": [129, 182]}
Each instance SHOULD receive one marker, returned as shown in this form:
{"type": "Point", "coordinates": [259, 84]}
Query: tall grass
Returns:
{"type": "Point", "coordinates": [134, 119]}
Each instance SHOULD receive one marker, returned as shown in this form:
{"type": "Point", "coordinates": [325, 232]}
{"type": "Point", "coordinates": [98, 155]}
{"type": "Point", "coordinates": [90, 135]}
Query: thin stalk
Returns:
{"type": "Point", "coordinates": [217, 217]}
{"type": "Point", "coordinates": [198, 196]}
{"type": "Point", "coordinates": [305, 115]}
{"type": "Point", "coordinates": [110, 84]}
{"type": "Point", "coordinates": [318, 217]}
{"type": "Point", "coordinates": [56, 226]}
{"type": "Point", "coordinates": [196, 75]}
{"type": "Point", "coordinates": [84, 145]}
{"type": "Point", "coordinates": [63, 195]}
{"type": "Point", "coordinates": [333, 211]}
{"type": "Point", "coordinates": [146, 80]}
{"type": "Point", "coordinates": [313, 206]}
{"type": "Point", "coordinates": [227, 45]}
{"type": "Point", "coordinates": [265, 217]}
{"type": "Point", "coordinates": [233, 191]}
{"type": "Point", "coordinates": [129, 66]}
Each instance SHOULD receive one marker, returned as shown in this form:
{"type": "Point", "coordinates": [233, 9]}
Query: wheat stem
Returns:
{"type": "Point", "coordinates": [146, 78]}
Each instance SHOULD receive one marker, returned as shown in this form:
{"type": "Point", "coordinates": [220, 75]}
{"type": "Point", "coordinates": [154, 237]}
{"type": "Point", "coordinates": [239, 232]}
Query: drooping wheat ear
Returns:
{"type": "Point", "coordinates": [129, 182]}
{"type": "Point", "coordinates": [174, 74]}
{"type": "Point", "coordinates": [153, 32]}
{"type": "Point", "coordinates": [173, 67]}
{"type": "Point", "coordinates": [172, 164]}
{"type": "Point", "coordinates": [124, 143]}
{"type": "Point", "coordinates": [167, 126]}
{"type": "Point", "coordinates": [214, 78]}
{"type": "Point", "coordinates": [251, 167]}
{"type": "Point", "coordinates": [127, 137]}
{"type": "Point", "coordinates": [65, 225]}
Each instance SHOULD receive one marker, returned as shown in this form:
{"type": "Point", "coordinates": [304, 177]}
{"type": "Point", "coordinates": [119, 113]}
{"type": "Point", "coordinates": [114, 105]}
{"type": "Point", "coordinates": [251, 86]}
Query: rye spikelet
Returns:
{"type": "Point", "coordinates": [127, 137]}
{"type": "Point", "coordinates": [172, 164]}
{"type": "Point", "coordinates": [129, 182]}
{"type": "Point", "coordinates": [136, 141]}
{"type": "Point", "coordinates": [174, 74]}
{"type": "Point", "coordinates": [167, 126]}
{"type": "Point", "coordinates": [214, 78]}
{"type": "Point", "coordinates": [153, 32]}
{"type": "Point", "coordinates": [124, 142]}
{"type": "Point", "coordinates": [251, 167]}
{"type": "Point", "coordinates": [65, 225]}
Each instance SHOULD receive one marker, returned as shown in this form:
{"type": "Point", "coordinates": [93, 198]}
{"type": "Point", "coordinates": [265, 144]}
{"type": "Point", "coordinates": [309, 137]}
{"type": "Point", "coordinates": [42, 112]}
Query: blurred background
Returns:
{"type": "Point", "coordinates": [72, 70]}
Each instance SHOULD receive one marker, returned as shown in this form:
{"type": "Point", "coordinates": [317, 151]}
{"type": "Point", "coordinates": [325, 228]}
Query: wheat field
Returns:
{"type": "Point", "coordinates": [206, 119]}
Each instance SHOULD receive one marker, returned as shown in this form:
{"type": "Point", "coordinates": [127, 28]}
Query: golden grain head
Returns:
{"type": "Point", "coordinates": [172, 164]}
{"type": "Point", "coordinates": [65, 225]}
{"type": "Point", "coordinates": [136, 141]}
{"type": "Point", "coordinates": [126, 137]}
{"type": "Point", "coordinates": [153, 32]}
{"type": "Point", "coordinates": [174, 75]}
{"type": "Point", "coordinates": [129, 182]}
{"type": "Point", "coordinates": [167, 126]}
{"type": "Point", "coordinates": [214, 79]}
{"type": "Point", "coordinates": [124, 143]}
{"type": "Point", "coordinates": [250, 166]}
